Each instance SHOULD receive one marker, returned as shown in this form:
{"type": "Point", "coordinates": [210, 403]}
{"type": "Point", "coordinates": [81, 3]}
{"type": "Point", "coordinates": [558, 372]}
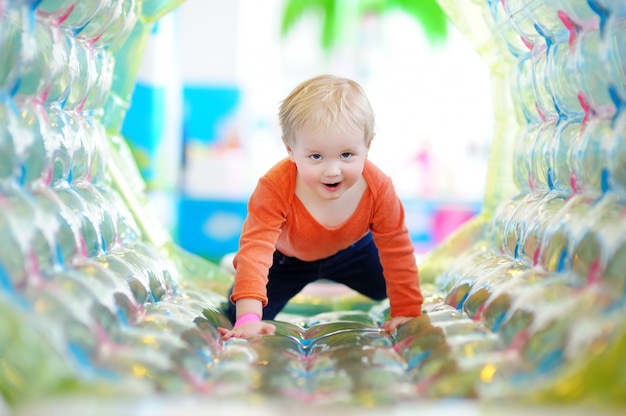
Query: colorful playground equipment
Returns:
{"type": "Point", "coordinates": [524, 303]}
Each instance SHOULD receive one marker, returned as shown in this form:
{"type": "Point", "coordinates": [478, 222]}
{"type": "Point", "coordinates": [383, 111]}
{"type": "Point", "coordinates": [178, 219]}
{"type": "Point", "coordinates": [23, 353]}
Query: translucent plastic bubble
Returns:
{"type": "Point", "coordinates": [545, 212]}
{"type": "Point", "coordinates": [8, 157]}
{"type": "Point", "coordinates": [31, 154]}
{"type": "Point", "coordinates": [152, 357]}
{"type": "Point", "coordinates": [38, 64]}
{"type": "Point", "coordinates": [352, 338]}
{"type": "Point", "coordinates": [464, 328]}
{"type": "Point", "coordinates": [613, 42]}
{"type": "Point", "coordinates": [452, 274]}
{"type": "Point", "coordinates": [611, 7]}
{"type": "Point", "coordinates": [111, 23]}
{"type": "Point", "coordinates": [520, 14]}
{"type": "Point", "coordinates": [279, 355]}
{"type": "Point", "coordinates": [484, 285]}
{"type": "Point", "coordinates": [79, 329]}
{"type": "Point", "coordinates": [601, 237]}
{"type": "Point", "coordinates": [173, 310]}
{"type": "Point", "coordinates": [537, 21]}
{"type": "Point", "coordinates": [495, 236]}
{"type": "Point", "coordinates": [515, 227]}
{"type": "Point", "coordinates": [61, 144]}
{"type": "Point", "coordinates": [590, 157]}
{"type": "Point", "coordinates": [85, 77]}
{"type": "Point", "coordinates": [123, 272]}
{"type": "Point", "coordinates": [83, 12]}
{"type": "Point", "coordinates": [37, 160]}
{"type": "Point", "coordinates": [591, 64]}
{"type": "Point", "coordinates": [586, 256]}
{"type": "Point", "coordinates": [522, 160]}
{"type": "Point", "coordinates": [64, 65]}
{"type": "Point", "coordinates": [568, 133]}
{"type": "Point", "coordinates": [617, 154]}
{"type": "Point", "coordinates": [158, 277]}
{"type": "Point", "coordinates": [32, 348]}
{"type": "Point", "coordinates": [371, 374]}
{"type": "Point", "coordinates": [595, 335]}
{"type": "Point", "coordinates": [554, 255]}
{"type": "Point", "coordinates": [40, 236]}
{"type": "Point", "coordinates": [127, 228]}
{"type": "Point", "coordinates": [563, 82]}
{"type": "Point", "coordinates": [62, 224]}
{"type": "Point", "coordinates": [502, 296]}
{"type": "Point", "coordinates": [119, 27]}
{"type": "Point", "coordinates": [162, 264]}
{"type": "Point", "coordinates": [522, 91]}
{"type": "Point", "coordinates": [31, 229]}
{"type": "Point", "coordinates": [104, 63]}
{"type": "Point", "coordinates": [194, 296]}
{"type": "Point", "coordinates": [360, 317]}
{"type": "Point", "coordinates": [57, 10]}
{"type": "Point", "coordinates": [546, 21]}
{"type": "Point", "coordinates": [233, 379]}
{"type": "Point", "coordinates": [505, 30]}
{"type": "Point", "coordinates": [530, 307]}
{"type": "Point", "coordinates": [468, 377]}
{"type": "Point", "coordinates": [101, 307]}
{"type": "Point", "coordinates": [97, 137]}
{"type": "Point", "coordinates": [107, 282]}
{"type": "Point", "coordinates": [541, 91]}
{"type": "Point", "coordinates": [206, 343]}
{"type": "Point", "coordinates": [13, 261]}
{"type": "Point", "coordinates": [541, 172]}
{"type": "Point", "coordinates": [83, 149]}
{"type": "Point", "coordinates": [548, 335]}
{"type": "Point", "coordinates": [472, 349]}
{"type": "Point", "coordinates": [437, 364]}
{"type": "Point", "coordinates": [579, 11]}
{"type": "Point", "coordinates": [160, 322]}
{"type": "Point", "coordinates": [616, 264]}
{"type": "Point", "coordinates": [104, 214]}
{"type": "Point", "coordinates": [418, 338]}
{"type": "Point", "coordinates": [11, 29]}
{"type": "Point", "coordinates": [457, 295]}
{"type": "Point", "coordinates": [90, 231]}
{"type": "Point", "coordinates": [331, 328]}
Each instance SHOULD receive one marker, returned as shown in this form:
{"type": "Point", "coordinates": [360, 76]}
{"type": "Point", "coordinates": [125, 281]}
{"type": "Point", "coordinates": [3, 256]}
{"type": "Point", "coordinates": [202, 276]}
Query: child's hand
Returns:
{"type": "Point", "coordinates": [247, 330]}
{"type": "Point", "coordinates": [393, 324]}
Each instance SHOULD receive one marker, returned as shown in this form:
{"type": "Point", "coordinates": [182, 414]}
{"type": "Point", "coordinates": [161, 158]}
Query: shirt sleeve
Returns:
{"type": "Point", "coordinates": [396, 251]}
{"type": "Point", "coordinates": [267, 211]}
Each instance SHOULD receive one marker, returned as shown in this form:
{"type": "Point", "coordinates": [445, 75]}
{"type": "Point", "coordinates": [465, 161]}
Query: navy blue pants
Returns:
{"type": "Point", "coordinates": [357, 267]}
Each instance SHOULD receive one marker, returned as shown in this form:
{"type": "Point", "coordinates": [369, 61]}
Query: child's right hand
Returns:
{"type": "Point", "coordinates": [247, 330]}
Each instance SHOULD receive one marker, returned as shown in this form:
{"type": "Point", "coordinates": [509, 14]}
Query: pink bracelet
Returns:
{"type": "Point", "coordinates": [247, 318]}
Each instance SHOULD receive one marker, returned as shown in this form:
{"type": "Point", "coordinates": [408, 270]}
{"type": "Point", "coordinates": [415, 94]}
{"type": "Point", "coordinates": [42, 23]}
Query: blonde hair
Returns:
{"type": "Point", "coordinates": [323, 102]}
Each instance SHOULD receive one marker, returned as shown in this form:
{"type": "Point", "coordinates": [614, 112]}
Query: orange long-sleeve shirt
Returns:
{"type": "Point", "coordinates": [277, 220]}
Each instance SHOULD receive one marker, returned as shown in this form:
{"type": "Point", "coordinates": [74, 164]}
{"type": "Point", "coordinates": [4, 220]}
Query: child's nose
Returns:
{"type": "Point", "coordinates": [332, 169]}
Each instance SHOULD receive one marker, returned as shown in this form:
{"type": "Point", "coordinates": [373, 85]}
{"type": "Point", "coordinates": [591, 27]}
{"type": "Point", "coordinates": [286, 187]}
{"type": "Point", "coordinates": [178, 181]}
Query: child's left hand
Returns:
{"type": "Point", "coordinates": [393, 324]}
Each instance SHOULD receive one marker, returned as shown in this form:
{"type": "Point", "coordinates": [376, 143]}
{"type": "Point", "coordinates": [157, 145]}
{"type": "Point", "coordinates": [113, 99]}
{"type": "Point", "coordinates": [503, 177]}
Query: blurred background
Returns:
{"type": "Point", "coordinates": [203, 119]}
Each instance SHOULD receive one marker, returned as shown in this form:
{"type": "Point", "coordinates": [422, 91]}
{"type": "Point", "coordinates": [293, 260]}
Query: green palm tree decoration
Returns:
{"type": "Point", "coordinates": [428, 14]}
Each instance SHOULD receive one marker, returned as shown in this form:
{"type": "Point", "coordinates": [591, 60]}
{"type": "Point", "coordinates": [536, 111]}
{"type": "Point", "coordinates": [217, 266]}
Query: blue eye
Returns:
{"type": "Point", "coordinates": [316, 157]}
{"type": "Point", "coordinates": [346, 155]}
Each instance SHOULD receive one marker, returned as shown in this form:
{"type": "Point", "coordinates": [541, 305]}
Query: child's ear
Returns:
{"type": "Point", "coordinates": [289, 152]}
{"type": "Point", "coordinates": [369, 143]}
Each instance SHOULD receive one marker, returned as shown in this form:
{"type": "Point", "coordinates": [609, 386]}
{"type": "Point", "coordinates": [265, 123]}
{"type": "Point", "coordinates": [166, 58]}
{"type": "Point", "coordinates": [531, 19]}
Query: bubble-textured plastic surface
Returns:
{"type": "Point", "coordinates": [525, 302]}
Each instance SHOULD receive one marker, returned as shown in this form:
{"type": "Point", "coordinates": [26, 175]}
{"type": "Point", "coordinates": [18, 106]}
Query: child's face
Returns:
{"type": "Point", "coordinates": [329, 161]}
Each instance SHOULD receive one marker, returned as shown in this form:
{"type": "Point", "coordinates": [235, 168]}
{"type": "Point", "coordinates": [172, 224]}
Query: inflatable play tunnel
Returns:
{"type": "Point", "coordinates": [524, 304]}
